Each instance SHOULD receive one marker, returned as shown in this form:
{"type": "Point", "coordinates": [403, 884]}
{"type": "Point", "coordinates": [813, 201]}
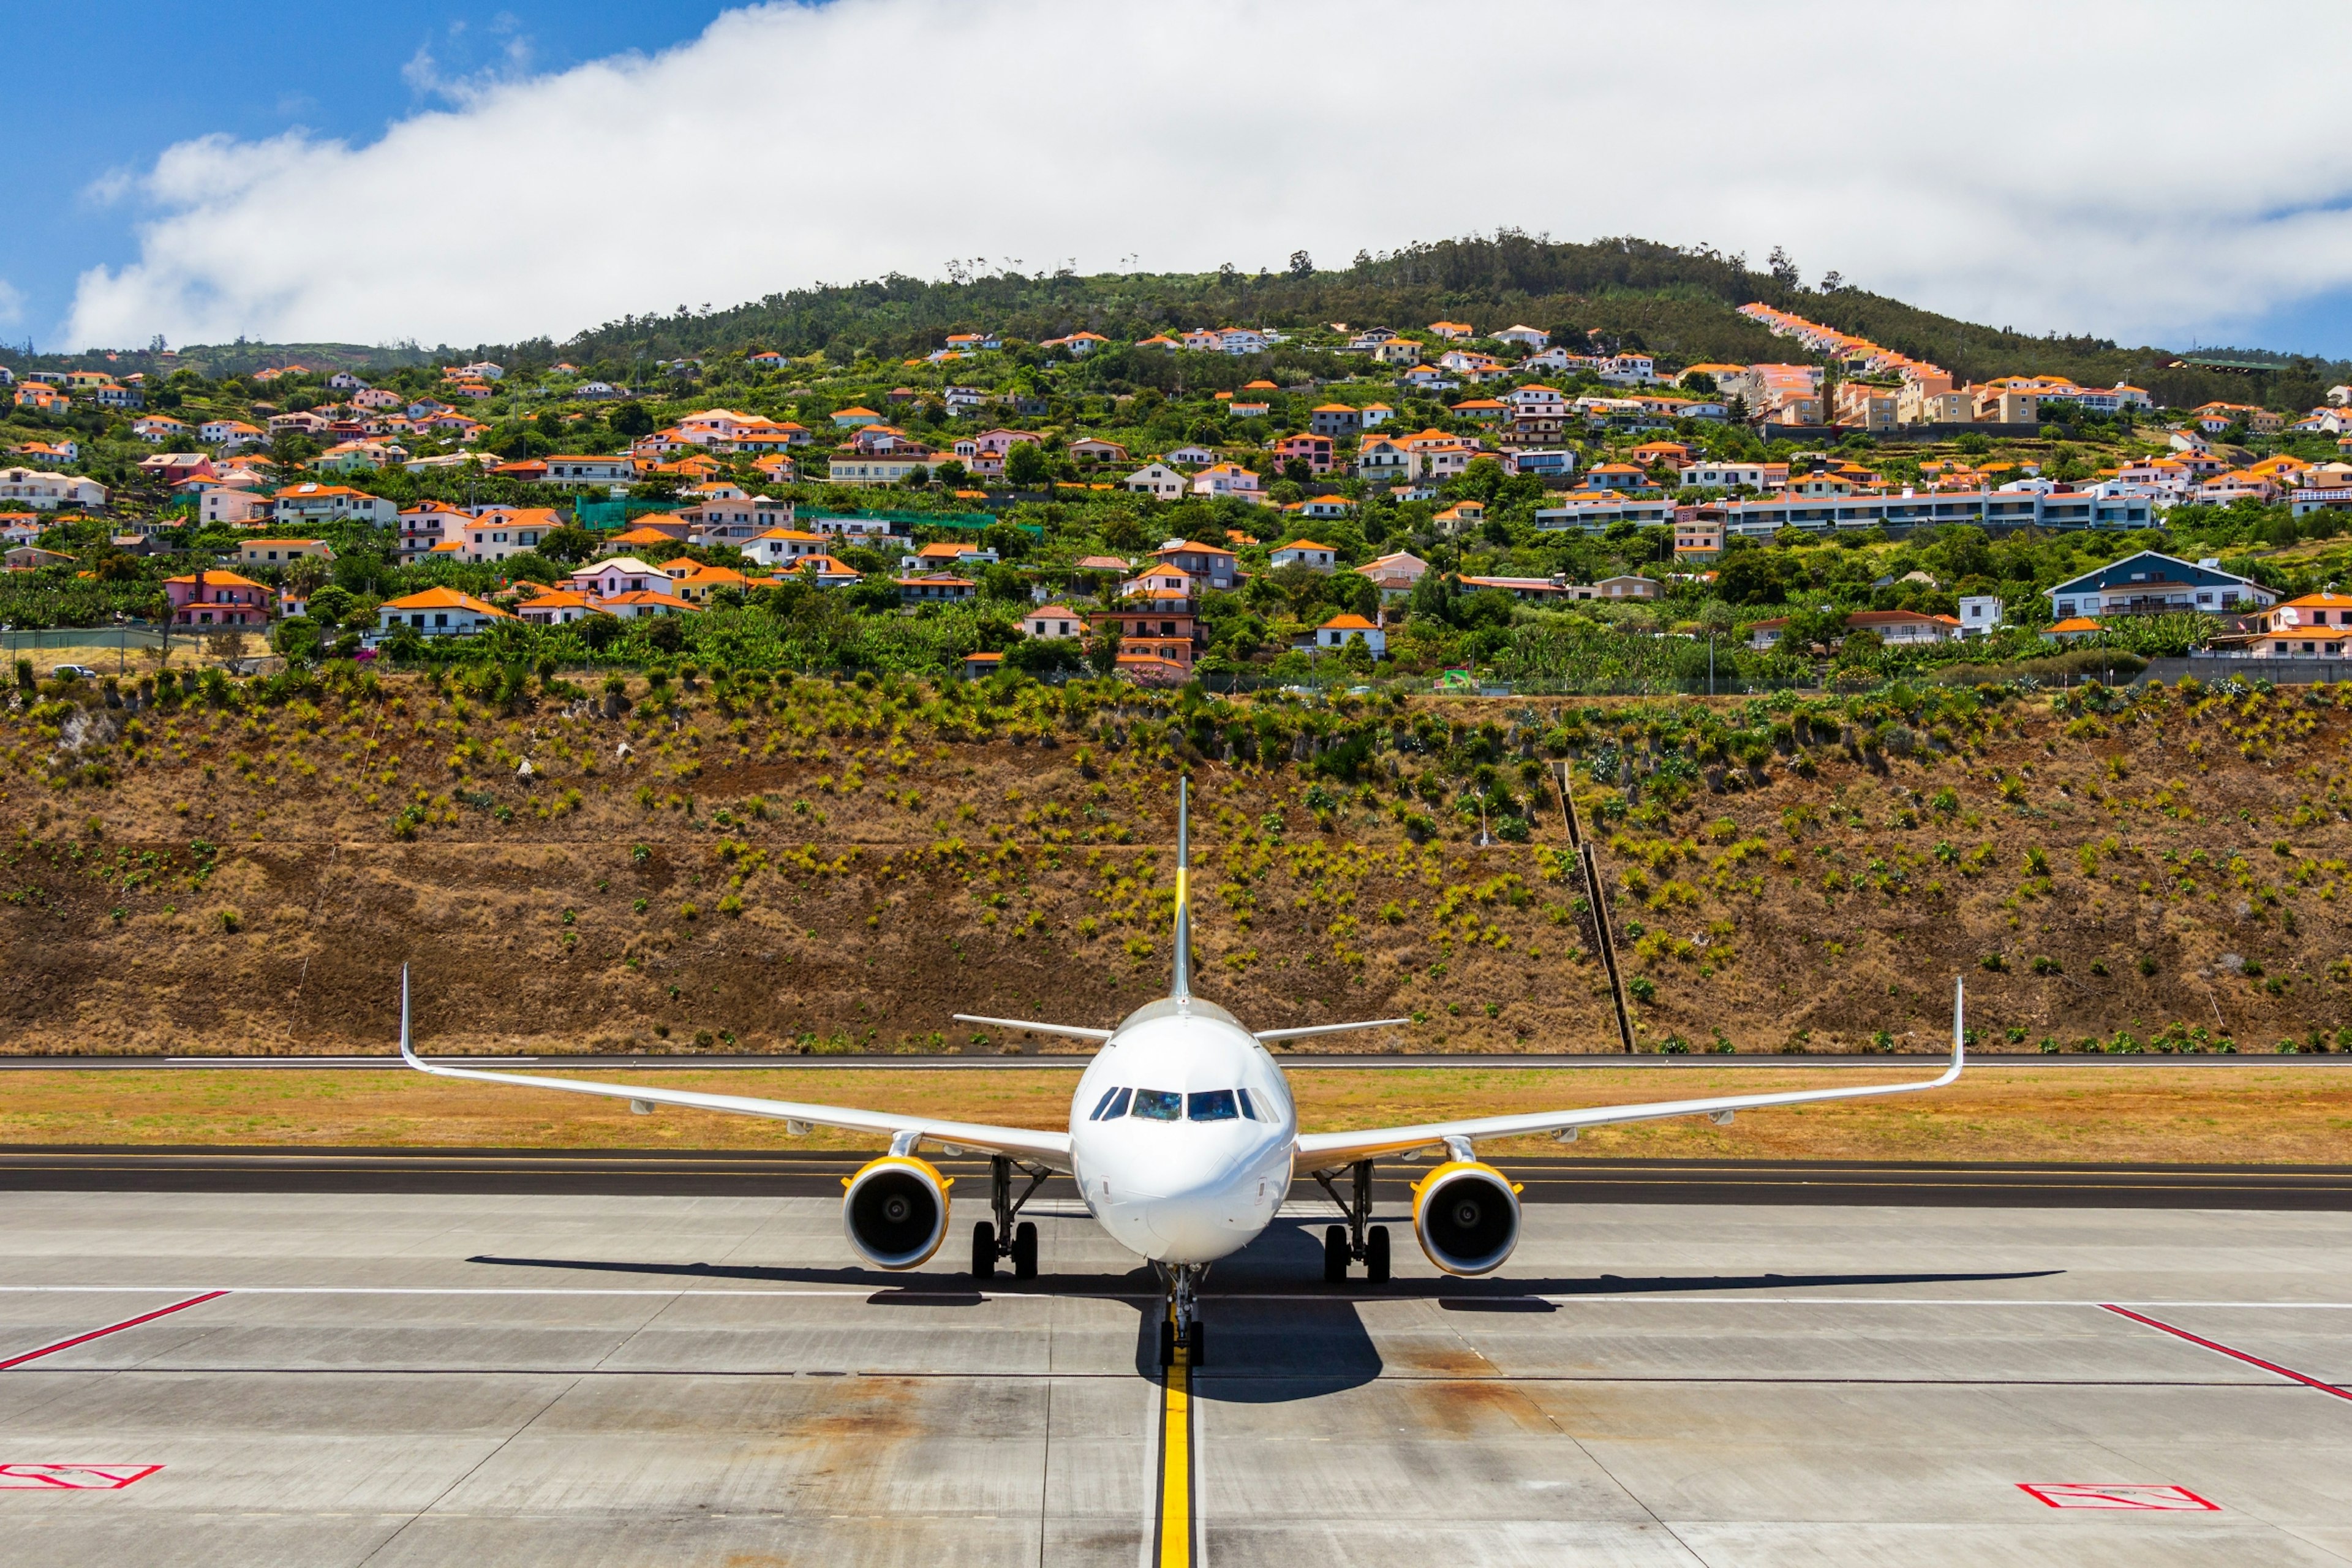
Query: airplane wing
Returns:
{"type": "Point", "coordinates": [1051, 1149]}
{"type": "Point", "coordinates": [1329, 1151]}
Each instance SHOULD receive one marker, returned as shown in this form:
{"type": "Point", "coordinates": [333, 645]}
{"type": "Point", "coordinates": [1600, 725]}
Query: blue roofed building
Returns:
{"type": "Point", "coordinates": [2149, 584]}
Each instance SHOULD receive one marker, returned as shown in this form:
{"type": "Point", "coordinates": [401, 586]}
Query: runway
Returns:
{"type": "Point", "coordinates": [581, 1379]}
{"type": "Point", "coordinates": [750, 1173]}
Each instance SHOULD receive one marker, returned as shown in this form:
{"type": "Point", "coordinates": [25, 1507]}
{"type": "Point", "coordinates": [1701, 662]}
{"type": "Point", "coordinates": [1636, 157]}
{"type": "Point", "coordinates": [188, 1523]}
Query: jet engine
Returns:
{"type": "Point", "coordinates": [1466, 1217]}
{"type": "Point", "coordinates": [896, 1211]}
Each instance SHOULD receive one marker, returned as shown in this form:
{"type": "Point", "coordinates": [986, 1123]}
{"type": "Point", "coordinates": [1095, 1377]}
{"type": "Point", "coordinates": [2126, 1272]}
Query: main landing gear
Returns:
{"type": "Point", "coordinates": [1359, 1240]}
{"type": "Point", "coordinates": [1002, 1239]}
{"type": "Point", "coordinates": [1181, 1329]}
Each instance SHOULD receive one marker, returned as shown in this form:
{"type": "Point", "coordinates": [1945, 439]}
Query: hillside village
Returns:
{"type": "Point", "coordinates": [1468, 501]}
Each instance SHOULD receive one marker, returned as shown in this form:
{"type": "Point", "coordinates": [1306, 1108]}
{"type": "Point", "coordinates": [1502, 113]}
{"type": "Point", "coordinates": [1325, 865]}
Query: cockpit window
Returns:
{"type": "Point", "coordinates": [1159, 1104]}
{"type": "Point", "coordinates": [1215, 1105]}
{"type": "Point", "coordinates": [1112, 1106]}
{"type": "Point", "coordinates": [1249, 1108]}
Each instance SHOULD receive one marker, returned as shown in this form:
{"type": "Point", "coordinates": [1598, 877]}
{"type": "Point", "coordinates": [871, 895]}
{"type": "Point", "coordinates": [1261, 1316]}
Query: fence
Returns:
{"type": "Point", "coordinates": [118, 650]}
{"type": "Point", "coordinates": [2210, 668]}
{"type": "Point", "coordinates": [603, 514]}
{"type": "Point", "coordinates": [904, 521]}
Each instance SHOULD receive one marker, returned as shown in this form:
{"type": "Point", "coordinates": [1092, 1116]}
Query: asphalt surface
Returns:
{"type": "Point", "coordinates": [748, 1173]}
{"type": "Point", "coordinates": [1074, 1061]}
{"type": "Point", "coordinates": [352, 1381]}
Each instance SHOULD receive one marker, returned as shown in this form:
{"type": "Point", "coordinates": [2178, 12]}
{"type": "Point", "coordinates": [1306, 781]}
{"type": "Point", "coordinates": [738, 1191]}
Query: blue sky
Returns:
{"type": "Point", "coordinates": [466, 174]}
{"type": "Point", "coordinates": [123, 90]}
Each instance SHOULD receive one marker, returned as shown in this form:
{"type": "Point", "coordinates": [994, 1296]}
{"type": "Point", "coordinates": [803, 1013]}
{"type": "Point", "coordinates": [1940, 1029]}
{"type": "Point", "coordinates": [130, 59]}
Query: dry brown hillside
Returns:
{"type": "Point", "coordinates": [824, 864]}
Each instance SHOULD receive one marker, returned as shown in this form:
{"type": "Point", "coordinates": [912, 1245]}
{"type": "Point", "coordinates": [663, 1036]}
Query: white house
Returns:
{"type": "Point", "coordinates": [1395, 575]}
{"type": "Point", "coordinates": [782, 547]}
{"type": "Point", "coordinates": [1629, 370]}
{"type": "Point", "coordinates": [500, 531]}
{"type": "Point", "coordinates": [310, 501]}
{"type": "Point", "coordinates": [1980, 615]}
{"type": "Point", "coordinates": [157, 429]}
{"type": "Point", "coordinates": [1303, 552]}
{"type": "Point", "coordinates": [1157, 481]}
{"type": "Point", "coordinates": [1334, 634]}
{"type": "Point", "coordinates": [637, 603]}
{"type": "Point", "coordinates": [235, 507]}
{"type": "Point", "coordinates": [231, 433]}
{"type": "Point", "coordinates": [573, 468]}
{"type": "Point", "coordinates": [1226, 479]}
{"type": "Point", "coordinates": [44, 491]}
{"type": "Point", "coordinates": [1053, 621]}
{"type": "Point", "coordinates": [1535, 341]}
{"type": "Point", "coordinates": [621, 575]}
{"type": "Point", "coordinates": [557, 607]}
{"type": "Point", "coordinates": [426, 525]}
{"type": "Point", "coordinates": [439, 613]}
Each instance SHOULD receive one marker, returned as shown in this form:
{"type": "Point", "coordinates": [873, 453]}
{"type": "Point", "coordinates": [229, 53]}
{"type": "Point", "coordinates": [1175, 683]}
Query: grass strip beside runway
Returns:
{"type": "Point", "coordinates": [2153, 1114]}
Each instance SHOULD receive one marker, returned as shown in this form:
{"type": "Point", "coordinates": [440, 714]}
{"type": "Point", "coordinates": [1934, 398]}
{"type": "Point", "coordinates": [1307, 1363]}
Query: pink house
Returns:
{"type": "Point", "coordinates": [177, 468]}
{"type": "Point", "coordinates": [217, 599]}
{"type": "Point", "coordinates": [999, 442]}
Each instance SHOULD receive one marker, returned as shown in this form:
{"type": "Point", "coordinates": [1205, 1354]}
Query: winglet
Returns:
{"type": "Point", "coordinates": [1960, 1025]}
{"type": "Point", "coordinates": [1179, 986]}
{"type": "Point", "coordinates": [407, 1051]}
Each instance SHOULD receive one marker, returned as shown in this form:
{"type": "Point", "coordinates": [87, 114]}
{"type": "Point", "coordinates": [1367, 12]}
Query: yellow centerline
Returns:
{"type": "Point", "coordinates": [1176, 1466]}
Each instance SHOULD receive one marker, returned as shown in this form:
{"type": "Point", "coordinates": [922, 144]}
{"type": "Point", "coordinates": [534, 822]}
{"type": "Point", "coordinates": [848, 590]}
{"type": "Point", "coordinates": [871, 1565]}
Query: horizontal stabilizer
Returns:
{"type": "Point", "coordinates": [1301, 1034]}
{"type": "Point", "coordinates": [1075, 1031]}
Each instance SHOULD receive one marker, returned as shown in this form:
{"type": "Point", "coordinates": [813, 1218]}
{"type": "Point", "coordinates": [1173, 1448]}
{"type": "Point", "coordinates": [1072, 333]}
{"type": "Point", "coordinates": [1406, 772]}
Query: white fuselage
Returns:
{"type": "Point", "coordinates": [1193, 1159]}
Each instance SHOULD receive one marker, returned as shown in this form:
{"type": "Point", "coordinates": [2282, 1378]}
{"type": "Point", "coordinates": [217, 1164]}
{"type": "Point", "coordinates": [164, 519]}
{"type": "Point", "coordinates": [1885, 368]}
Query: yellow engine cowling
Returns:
{"type": "Point", "coordinates": [896, 1211]}
{"type": "Point", "coordinates": [1466, 1216]}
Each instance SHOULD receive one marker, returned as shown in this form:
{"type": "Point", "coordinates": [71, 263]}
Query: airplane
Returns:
{"type": "Point", "coordinates": [1182, 1142]}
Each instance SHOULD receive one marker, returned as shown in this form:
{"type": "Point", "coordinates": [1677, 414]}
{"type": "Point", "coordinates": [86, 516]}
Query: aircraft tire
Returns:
{"type": "Point", "coordinates": [1025, 1251]}
{"type": "Point", "coordinates": [983, 1250]}
{"type": "Point", "coordinates": [1167, 1344]}
{"type": "Point", "coordinates": [1335, 1255]}
{"type": "Point", "coordinates": [1376, 1254]}
{"type": "Point", "coordinates": [1196, 1348]}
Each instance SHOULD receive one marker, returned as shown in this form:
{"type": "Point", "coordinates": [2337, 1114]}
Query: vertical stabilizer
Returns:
{"type": "Point", "coordinates": [1180, 985]}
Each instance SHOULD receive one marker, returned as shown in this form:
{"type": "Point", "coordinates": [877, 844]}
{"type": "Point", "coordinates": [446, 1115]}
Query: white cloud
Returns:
{"type": "Point", "coordinates": [12, 303]}
{"type": "Point", "coordinates": [2004, 162]}
{"type": "Point", "coordinates": [425, 77]}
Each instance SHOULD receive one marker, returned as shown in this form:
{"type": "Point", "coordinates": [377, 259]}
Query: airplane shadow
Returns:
{"type": "Point", "coordinates": [1276, 1332]}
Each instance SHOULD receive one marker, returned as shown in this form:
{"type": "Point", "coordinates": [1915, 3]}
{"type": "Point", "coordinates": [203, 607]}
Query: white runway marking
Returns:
{"type": "Point", "coordinates": [947, 1287]}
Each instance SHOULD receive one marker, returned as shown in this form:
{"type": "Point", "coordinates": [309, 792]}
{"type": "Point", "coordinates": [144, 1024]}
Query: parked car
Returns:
{"type": "Point", "coordinates": [74, 672]}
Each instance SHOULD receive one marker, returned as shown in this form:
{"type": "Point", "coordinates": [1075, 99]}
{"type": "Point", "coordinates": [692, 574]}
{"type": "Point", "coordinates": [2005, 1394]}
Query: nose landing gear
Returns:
{"type": "Point", "coordinates": [1359, 1240]}
{"type": "Point", "coordinates": [1000, 1237]}
{"type": "Point", "coordinates": [1181, 1332]}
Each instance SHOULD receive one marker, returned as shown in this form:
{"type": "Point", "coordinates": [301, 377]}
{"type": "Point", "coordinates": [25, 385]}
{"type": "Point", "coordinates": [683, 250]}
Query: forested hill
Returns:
{"type": "Point", "coordinates": [1678, 303]}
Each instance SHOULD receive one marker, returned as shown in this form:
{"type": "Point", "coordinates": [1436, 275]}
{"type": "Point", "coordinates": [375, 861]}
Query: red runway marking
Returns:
{"type": "Point", "coordinates": [72, 1478]}
{"type": "Point", "coordinates": [2220, 1348]}
{"type": "Point", "coordinates": [111, 1329]}
{"type": "Point", "coordinates": [2128, 1494]}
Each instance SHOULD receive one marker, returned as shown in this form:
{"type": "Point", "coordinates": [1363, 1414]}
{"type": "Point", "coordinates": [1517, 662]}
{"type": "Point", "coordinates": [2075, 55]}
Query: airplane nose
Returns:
{"type": "Point", "coordinates": [1201, 1226]}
